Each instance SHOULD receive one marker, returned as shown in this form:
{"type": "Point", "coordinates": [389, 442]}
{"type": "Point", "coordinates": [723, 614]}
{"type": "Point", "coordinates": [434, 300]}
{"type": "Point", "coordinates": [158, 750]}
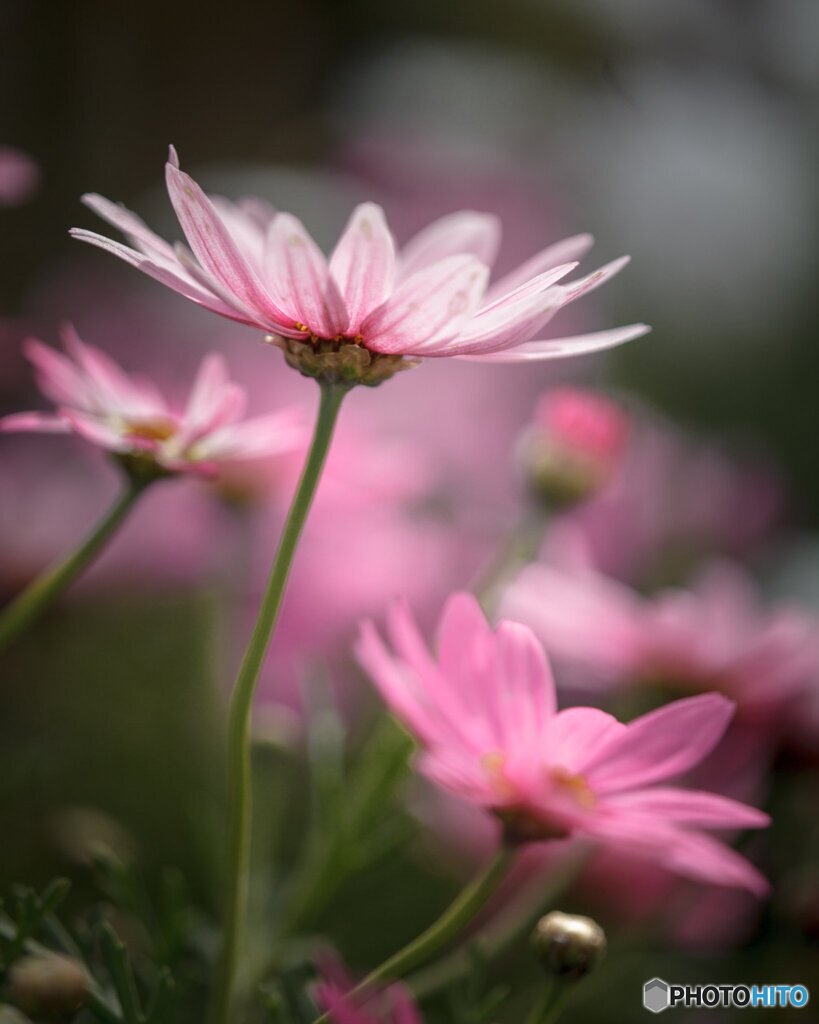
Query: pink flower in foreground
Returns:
{"type": "Point", "coordinates": [392, 1005]}
{"type": "Point", "coordinates": [715, 636]}
{"type": "Point", "coordinates": [429, 300]}
{"type": "Point", "coordinates": [574, 444]}
{"type": "Point", "coordinates": [127, 415]}
{"type": "Point", "coordinates": [485, 714]}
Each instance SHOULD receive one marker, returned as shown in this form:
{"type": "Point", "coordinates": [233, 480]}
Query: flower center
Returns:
{"type": "Point", "coordinates": [151, 430]}
{"type": "Point", "coordinates": [494, 764]}
{"type": "Point", "coordinates": [575, 786]}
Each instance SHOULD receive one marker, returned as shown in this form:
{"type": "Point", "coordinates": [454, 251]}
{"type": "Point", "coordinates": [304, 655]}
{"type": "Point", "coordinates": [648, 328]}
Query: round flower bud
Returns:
{"type": "Point", "coordinates": [573, 446]}
{"type": "Point", "coordinates": [48, 984]}
{"type": "Point", "coordinates": [569, 945]}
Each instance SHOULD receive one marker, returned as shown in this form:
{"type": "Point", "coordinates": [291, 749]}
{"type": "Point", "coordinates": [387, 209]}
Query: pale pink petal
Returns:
{"type": "Point", "coordinates": [176, 279]}
{"type": "Point", "coordinates": [563, 608]}
{"type": "Point", "coordinates": [576, 289]}
{"type": "Point", "coordinates": [431, 304]}
{"type": "Point", "coordinates": [462, 233]}
{"type": "Point", "coordinates": [395, 683]}
{"type": "Point", "coordinates": [110, 388]}
{"type": "Point", "coordinates": [690, 807]}
{"type": "Point", "coordinates": [569, 250]}
{"type": "Point", "coordinates": [213, 402]}
{"type": "Point", "coordinates": [462, 620]}
{"type": "Point", "coordinates": [528, 699]}
{"type": "Point", "coordinates": [98, 432]}
{"type": "Point", "coordinates": [363, 263]}
{"type": "Point", "coordinates": [133, 227]}
{"type": "Point", "coordinates": [245, 227]}
{"type": "Point", "coordinates": [262, 437]}
{"type": "Point", "coordinates": [57, 376]}
{"type": "Point", "coordinates": [576, 734]}
{"type": "Point", "coordinates": [513, 318]}
{"type": "Point", "coordinates": [702, 856]}
{"type": "Point", "coordinates": [688, 853]}
{"type": "Point", "coordinates": [215, 248]}
{"type": "Point", "coordinates": [661, 744]}
{"type": "Point", "coordinates": [559, 348]}
{"type": "Point", "coordinates": [34, 422]}
{"type": "Point", "coordinates": [300, 280]}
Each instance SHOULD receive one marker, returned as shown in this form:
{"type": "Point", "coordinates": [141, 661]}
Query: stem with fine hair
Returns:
{"type": "Point", "coordinates": [453, 920]}
{"type": "Point", "coordinates": [240, 806]}
{"type": "Point", "coordinates": [41, 592]}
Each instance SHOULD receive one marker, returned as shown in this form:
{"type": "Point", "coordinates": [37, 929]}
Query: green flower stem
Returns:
{"type": "Point", "coordinates": [518, 550]}
{"type": "Point", "coordinates": [453, 920]}
{"type": "Point", "coordinates": [240, 805]}
{"type": "Point", "coordinates": [32, 602]}
{"type": "Point", "coordinates": [547, 1009]}
{"type": "Point", "coordinates": [507, 928]}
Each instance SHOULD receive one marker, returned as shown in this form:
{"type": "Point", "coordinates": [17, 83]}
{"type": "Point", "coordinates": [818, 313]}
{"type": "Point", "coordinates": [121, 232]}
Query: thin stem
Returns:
{"type": "Point", "coordinates": [240, 805]}
{"type": "Point", "coordinates": [547, 1009]}
{"type": "Point", "coordinates": [516, 921]}
{"type": "Point", "coordinates": [41, 592]}
{"type": "Point", "coordinates": [518, 549]}
{"type": "Point", "coordinates": [453, 920]}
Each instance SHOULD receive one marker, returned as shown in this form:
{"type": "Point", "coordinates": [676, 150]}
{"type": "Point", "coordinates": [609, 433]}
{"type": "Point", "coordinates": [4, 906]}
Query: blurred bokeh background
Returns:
{"type": "Point", "coordinates": [681, 133]}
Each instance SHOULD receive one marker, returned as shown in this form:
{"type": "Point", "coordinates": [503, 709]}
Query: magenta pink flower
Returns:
{"type": "Point", "coordinates": [485, 714]}
{"type": "Point", "coordinates": [127, 415]}
{"type": "Point", "coordinates": [714, 636]}
{"type": "Point", "coordinates": [430, 300]}
{"type": "Point", "coordinates": [393, 1004]}
{"type": "Point", "coordinates": [584, 424]}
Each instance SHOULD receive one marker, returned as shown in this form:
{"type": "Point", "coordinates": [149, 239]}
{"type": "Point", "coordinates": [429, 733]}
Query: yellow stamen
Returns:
{"type": "Point", "coordinates": [574, 785]}
{"type": "Point", "coordinates": [152, 430]}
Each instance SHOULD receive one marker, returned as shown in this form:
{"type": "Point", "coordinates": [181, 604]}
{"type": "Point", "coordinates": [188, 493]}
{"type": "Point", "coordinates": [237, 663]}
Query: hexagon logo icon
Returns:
{"type": "Point", "coordinates": [655, 995]}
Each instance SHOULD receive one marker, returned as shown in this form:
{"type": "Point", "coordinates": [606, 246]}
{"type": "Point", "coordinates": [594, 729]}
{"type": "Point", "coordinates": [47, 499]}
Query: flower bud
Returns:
{"type": "Point", "coordinates": [573, 446]}
{"type": "Point", "coordinates": [48, 984]}
{"type": "Point", "coordinates": [569, 945]}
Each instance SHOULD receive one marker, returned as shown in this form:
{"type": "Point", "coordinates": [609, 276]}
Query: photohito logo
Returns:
{"type": "Point", "coordinates": [659, 995]}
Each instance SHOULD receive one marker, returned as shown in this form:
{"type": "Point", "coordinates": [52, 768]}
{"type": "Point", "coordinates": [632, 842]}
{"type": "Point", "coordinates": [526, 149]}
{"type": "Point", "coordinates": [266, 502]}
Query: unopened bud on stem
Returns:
{"type": "Point", "coordinates": [568, 945]}
{"type": "Point", "coordinates": [573, 446]}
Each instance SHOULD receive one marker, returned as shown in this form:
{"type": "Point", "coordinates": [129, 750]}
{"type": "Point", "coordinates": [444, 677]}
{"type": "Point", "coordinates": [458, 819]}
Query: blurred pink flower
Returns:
{"type": "Point", "coordinates": [485, 715]}
{"type": "Point", "coordinates": [19, 176]}
{"type": "Point", "coordinates": [574, 444]}
{"type": "Point", "coordinates": [56, 494]}
{"type": "Point", "coordinates": [127, 415]}
{"type": "Point", "coordinates": [715, 636]}
{"type": "Point", "coordinates": [675, 499]}
{"type": "Point", "coordinates": [374, 522]}
{"type": "Point", "coordinates": [431, 300]}
{"type": "Point", "coordinates": [393, 1004]}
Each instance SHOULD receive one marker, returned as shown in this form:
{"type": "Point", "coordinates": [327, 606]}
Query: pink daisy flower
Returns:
{"type": "Point", "coordinates": [128, 416]}
{"type": "Point", "coordinates": [484, 712]}
{"type": "Point", "coordinates": [715, 635]}
{"type": "Point", "coordinates": [430, 299]}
